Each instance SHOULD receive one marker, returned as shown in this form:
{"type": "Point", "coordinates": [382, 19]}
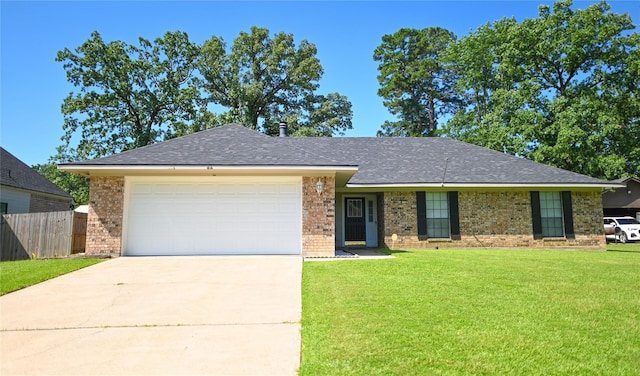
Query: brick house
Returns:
{"type": "Point", "coordinates": [232, 190]}
{"type": "Point", "coordinates": [24, 190]}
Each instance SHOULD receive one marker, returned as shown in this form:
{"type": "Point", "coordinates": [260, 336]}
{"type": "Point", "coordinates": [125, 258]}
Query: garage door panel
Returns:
{"type": "Point", "coordinates": [214, 217]}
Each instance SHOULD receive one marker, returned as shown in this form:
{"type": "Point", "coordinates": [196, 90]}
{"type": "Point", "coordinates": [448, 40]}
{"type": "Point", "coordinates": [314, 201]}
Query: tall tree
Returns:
{"type": "Point", "coordinates": [262, 80]}
{"type": "Point", "coordinates": [128, 96]}
{"type": "Point", "coordinates": [77, 186]}
{"type": "Point", "coordinates": [561, 89]}
{"type": "Point", "coordinates": [416, 84]}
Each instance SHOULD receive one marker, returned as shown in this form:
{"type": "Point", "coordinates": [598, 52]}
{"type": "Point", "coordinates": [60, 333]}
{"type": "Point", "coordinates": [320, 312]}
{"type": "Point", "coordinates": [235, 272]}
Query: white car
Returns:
{"type": "Point", "coordinates": [622, 229]}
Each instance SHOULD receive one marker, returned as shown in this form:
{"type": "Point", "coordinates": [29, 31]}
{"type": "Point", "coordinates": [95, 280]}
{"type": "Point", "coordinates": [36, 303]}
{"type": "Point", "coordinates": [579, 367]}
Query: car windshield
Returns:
{"type": "Point", "coordinates": [628, 221]}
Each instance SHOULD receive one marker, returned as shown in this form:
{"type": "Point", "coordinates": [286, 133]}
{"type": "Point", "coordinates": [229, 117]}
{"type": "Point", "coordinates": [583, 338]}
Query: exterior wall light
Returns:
{"type": "Point", "coordinates": [319, 186]}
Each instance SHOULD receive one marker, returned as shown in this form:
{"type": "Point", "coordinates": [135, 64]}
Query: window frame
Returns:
{"type": "Point", "coordinates": [437, 212]}
{"type": "Point", "coordinates": [453, 215]}
{"type": "Point", "coordinates": [353, 209]}
{"type": "Point", "coordinates": [566, 213]}
{"type": "Point", "coordinates": [551, 216]}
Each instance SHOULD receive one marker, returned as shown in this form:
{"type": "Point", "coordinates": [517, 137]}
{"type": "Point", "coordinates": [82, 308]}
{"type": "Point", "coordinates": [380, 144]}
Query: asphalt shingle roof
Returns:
{"type": "Point", "coordinates": [229, 145]}
{"type": "Point", "coordinates": [412, 160]}
{"type": "Point", "coordinates": [383, 160]}
{"type": "Point", "coordinates": [15, 173]}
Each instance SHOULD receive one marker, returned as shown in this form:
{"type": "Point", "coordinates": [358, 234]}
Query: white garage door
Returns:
{"type": "Point", "coordinates": [213, 215]}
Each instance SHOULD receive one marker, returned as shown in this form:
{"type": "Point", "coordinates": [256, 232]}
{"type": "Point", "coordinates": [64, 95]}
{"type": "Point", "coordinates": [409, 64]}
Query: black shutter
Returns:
{"type": "Point", "coordinates": [567, 213]}
{"type": "Point", "coordinates": [535, 215]}
{"type": "Point", "coordinates": [421, 206]}
{"type": "Point", "coordinates": [454, 216]}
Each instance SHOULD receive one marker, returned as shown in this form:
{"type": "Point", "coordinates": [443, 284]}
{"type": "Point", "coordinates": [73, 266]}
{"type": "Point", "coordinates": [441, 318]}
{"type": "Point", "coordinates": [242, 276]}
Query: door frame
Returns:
{"type": "Point", "coordinates": [371, 228]}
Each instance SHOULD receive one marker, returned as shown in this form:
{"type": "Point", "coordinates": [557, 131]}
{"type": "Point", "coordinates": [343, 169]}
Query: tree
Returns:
{"type": "Point", "coordinates": [264, 80]}
{"type": "Point", "coordinates": [416, 84]}
{"type": "Point", "coordinates": [129, 96]}
{"type": "Point", "coordinates": [561, 89]}
{"type": "Point", "coordinates": [77, 186]}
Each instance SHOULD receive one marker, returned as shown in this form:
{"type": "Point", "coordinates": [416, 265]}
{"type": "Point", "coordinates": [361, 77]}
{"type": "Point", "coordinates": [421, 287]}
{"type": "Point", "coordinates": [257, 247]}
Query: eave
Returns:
{"type": "Point", "coordinates": [342, 173]}
{"type": "Point", "coordinates": [484, 186]}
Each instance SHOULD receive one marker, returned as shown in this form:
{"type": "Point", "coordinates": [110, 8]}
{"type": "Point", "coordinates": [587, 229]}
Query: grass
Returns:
{"type": "Point", "coordinates": [473, 312]}
{"type": "Point", "coordinates": [15, 275]}
{"type": "Point", "coordinates": [627, 247]}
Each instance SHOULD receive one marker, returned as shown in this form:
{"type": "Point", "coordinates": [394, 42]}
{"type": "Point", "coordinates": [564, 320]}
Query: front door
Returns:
{"type": "Point", "coordinates": [355, 225]}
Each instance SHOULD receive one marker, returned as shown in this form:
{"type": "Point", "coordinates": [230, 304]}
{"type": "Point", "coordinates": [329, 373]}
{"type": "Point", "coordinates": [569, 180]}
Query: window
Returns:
{"type": "Point", "coordinates": [438, 215]}
{"type": "Point", "coordinates": [354, 208]}
{"type": "Point", "coordinates": [551, 214]}
{"type": "Point", "coordinates": [4, 207]}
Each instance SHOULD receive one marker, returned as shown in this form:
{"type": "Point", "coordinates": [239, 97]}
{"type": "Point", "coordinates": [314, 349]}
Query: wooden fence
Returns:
{"type": "Point", "coordinates": [41, 235]}
{"type": "Point", "coordinates": [79, 232]}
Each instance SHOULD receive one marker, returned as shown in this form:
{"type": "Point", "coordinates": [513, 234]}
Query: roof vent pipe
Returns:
{"type": "Point", "coordinates": [284, 129]}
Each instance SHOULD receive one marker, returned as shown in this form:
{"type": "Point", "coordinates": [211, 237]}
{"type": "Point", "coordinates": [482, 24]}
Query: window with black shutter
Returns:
{"type": "Point", "coordinates": [438, 216]}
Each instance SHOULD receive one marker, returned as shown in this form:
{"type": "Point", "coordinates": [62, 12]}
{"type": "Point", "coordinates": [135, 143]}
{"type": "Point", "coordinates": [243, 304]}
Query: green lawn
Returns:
{"type": "Point", "coordinates": [624, 247]}
{"type": "Point", "coordinates": [15, 275]}
{"type": "Point", "coordinates": [473, 312]}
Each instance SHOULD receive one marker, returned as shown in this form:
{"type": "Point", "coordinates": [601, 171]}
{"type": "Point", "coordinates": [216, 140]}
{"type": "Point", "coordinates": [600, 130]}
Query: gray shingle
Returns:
{"type": "Point", "coordinates": [384, 160]}
{"type": "Point", "coordinates": [229, 145]}
{"type": "Point", "coordinates": [15, 173]}
{"type": "Point", "coordinates": [388, 160]}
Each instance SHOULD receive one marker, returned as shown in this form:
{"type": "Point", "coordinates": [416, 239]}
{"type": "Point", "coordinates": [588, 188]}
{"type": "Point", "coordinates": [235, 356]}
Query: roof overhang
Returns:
{"type": "Point", "coordinates": [342, 173]}
{"type": "Point", "coordinates": [486, 186]}
{"type": "Point", "coordinates": [66, 196]}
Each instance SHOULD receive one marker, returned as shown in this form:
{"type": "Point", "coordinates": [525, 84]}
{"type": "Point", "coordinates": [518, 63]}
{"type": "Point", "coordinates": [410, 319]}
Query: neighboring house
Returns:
{"type": "Point", "coordinates": [623, 201]}
{"type": "Point", "coordinates": [24, 190]}
{"type": "Point", "coordinates": [232, 190]}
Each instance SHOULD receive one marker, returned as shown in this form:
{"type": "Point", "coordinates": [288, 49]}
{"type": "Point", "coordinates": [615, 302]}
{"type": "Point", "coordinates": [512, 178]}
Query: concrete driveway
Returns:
{"type": "Point", "coordinates": [213, 315]}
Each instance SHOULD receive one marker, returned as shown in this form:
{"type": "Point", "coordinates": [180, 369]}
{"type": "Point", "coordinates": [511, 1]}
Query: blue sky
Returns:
{"type": "Point", "coordinates": [33, 85]}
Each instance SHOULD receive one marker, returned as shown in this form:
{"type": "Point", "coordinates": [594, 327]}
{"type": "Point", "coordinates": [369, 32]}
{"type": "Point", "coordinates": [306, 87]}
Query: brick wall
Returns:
{"type": "Point", "coordinates": [493, 219]}
{"type": "Point", "coordinates": [587, 218]}
{"type": "Point", "coordinates": [39, 204]}
{"type": "Point", "coordinates": [104, 224]}
{"type": "Point", "coordinates": [318, 217]}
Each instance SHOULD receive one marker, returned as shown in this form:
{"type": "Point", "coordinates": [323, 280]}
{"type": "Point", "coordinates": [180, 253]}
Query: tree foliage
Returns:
{"type": "Point", "coordinates": [77, 186]}
{"type": "Point", "coordinates": [262, 80]}
{"type": "Point", "coordinates": [562, 89]}
{"type": "Point", "coordinates": [416, 84]}
{"type": "Point", "coordinates": [128, 96]}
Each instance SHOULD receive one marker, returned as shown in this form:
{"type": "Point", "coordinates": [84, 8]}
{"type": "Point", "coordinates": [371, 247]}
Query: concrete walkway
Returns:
{"type": "Point", "coordinates": [208, 315]}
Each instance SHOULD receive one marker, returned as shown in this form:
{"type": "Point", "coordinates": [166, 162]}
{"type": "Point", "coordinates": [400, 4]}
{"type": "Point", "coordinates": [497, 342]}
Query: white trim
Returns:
{"type": "Point", "coordinates": [489, 185]}
{"type": "Point", "coordinates": [211, 168]}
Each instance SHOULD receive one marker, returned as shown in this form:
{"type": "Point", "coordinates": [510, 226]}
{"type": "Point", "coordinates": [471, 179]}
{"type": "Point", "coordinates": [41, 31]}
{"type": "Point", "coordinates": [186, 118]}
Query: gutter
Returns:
{"type": "Point", "coordinates": [88, 170]}
{"type": "Point", "coordinates": [489, 185]}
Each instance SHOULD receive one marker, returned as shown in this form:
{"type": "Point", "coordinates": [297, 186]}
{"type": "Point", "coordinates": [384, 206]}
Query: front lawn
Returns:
{"type": "Point", "coordinates": [627, 247]}
{"type": "Point", "coordinates": [15, 275]}
{"type": "Point", "coordinates": [473, 312]}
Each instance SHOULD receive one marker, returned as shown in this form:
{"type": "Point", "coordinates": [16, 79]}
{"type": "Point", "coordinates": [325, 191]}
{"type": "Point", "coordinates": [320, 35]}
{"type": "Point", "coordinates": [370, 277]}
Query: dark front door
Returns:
{"type": "Point", "coordinates": [354, 222]}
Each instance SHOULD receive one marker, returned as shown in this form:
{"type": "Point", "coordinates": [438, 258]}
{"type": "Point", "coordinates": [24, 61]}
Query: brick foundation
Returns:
{"type": "Point", "coordinates": [104, 223]}
{"type": "Point", "coordinates": [318, 217]}
{"type": "Point", "coordinates": [493, 219]}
